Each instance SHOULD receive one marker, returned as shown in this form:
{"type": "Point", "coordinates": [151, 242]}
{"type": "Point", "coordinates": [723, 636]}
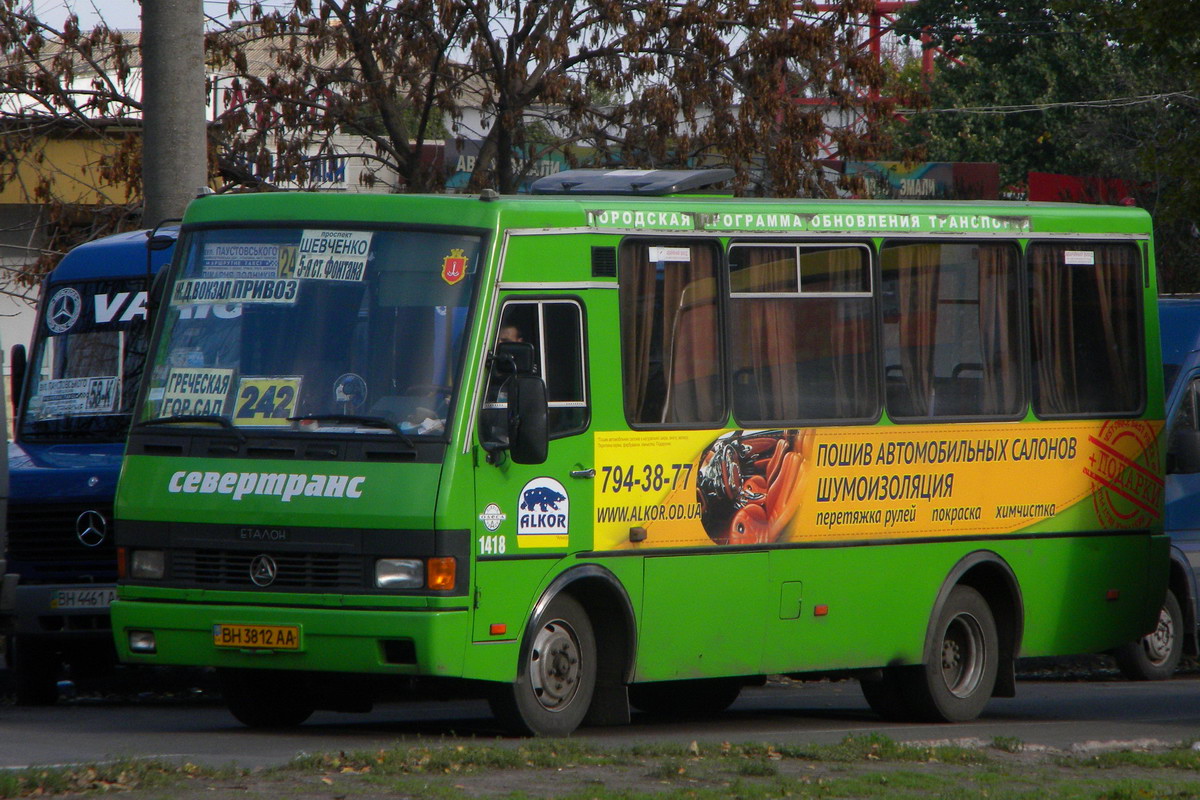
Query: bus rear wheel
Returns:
{"type": "Point", "coordinates": [264, 698]}
{"type": "Point", "coordinates": [555, 683]}
{"type": "Point", "coordinates": [958, 681]}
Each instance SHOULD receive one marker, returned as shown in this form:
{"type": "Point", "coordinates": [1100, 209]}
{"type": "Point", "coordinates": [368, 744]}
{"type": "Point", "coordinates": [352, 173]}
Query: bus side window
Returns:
{"type": "Point", "coordinates": [801, 333]}
{"type": "Point", "coordinates": [952, 333]}
{"type": "Point", "coordinates": [1087, 338]}
{"type": "Point", "coordinates": [670, 351]}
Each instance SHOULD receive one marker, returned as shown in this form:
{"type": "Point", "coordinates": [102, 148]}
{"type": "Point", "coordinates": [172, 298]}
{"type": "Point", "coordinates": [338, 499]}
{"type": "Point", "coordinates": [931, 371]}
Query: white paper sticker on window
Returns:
{"type": "Point", "coordinates": [66, 396]}
{"type": "Point", "coordinates": [1079, 258]}
{"type": "Point", "coordinates": [660, 254]}
{"type": "Point", "coordinates": [334, 255]}
{"type": "Point", "coordinates": [241, 260]}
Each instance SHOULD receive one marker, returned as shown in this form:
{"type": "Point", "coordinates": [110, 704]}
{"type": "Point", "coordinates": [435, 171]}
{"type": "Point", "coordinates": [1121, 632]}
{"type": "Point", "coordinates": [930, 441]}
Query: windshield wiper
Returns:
{"type": "Point", "coordinates": [215, 419]}
{"type": "Point", "coordinates": [366, 421]}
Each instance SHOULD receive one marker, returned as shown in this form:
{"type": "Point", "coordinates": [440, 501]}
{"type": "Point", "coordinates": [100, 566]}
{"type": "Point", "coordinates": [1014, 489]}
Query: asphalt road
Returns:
{"type": "Point", "coordinates": [1063, 714]}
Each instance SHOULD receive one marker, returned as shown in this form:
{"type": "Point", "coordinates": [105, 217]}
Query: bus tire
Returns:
{"type": "Point", "coordinates": [263, 698]}
{"type": "Point", "coordinates": [554, 685]}
{"type": "Point", "coordinates": [958, 679]}
{"type": "Point", "coordinates": [886, 696]}
{"type": "Point", "coordinates": [1156, 655]}
{"type": "Point", "coordinates": [685, 698]}
{"type": "Point", "coordinates": [36, 668]}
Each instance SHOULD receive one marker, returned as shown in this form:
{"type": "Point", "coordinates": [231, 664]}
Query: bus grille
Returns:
{"type": "Point", "coordinates": [44, 546]}
{"type": "Point", "coordinates": [296, 571]}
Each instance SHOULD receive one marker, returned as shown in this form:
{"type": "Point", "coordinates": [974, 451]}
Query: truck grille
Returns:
{"type": "Point", "coordinates": [44, 544]}
{"type": "Point", "coordinates": [295, 571]}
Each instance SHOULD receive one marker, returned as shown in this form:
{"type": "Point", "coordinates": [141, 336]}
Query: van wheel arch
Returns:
{"type": "Point", "coordinates": [1181, 581]}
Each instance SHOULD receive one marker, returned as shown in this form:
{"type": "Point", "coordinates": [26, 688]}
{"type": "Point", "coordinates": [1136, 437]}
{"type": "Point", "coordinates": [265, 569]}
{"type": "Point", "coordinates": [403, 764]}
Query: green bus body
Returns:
{"type": "Point", "coordinates": [849, 571]}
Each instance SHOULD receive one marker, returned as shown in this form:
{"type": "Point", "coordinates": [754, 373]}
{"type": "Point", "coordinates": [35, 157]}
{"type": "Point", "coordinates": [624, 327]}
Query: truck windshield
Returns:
{"type": "Point", "coordinates": [315, 328]}
{"type": "Point", "coordinates": [87, 358]}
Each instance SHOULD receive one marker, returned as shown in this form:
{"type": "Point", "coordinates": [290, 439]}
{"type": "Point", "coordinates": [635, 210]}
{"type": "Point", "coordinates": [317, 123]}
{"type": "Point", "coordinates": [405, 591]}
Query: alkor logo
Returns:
{"type": "Point", "coordinates": [284, 485]}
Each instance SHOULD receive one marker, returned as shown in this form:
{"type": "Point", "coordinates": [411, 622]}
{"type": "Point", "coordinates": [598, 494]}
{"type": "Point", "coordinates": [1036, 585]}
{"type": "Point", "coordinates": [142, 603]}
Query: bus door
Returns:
{"type": "Point", "coordinates": [677, 480]}
{"type": "Point", "coordinates": [530, 515]}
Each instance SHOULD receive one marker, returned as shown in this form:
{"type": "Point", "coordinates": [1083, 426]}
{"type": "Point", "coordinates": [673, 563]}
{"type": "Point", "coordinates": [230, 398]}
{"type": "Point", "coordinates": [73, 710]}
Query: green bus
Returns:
{"type": "Point", "coordinates": [629, 442]}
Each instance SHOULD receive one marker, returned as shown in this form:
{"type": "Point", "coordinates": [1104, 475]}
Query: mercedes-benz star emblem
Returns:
{"type": "Point", "coordinates": [64, 309]}
{"type": "Point", "coordinates": [263, 570]}
{"type": "Point", "coordinates": [91, 528]}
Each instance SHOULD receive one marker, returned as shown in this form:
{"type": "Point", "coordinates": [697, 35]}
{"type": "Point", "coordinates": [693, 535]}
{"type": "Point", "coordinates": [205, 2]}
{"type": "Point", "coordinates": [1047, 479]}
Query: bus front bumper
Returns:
{"type": "Point", "coordinates": [386, 641]}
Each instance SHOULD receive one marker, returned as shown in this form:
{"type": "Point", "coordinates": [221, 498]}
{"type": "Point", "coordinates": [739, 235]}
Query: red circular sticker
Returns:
{"type": "Point", "coordinates": [1127, 489]}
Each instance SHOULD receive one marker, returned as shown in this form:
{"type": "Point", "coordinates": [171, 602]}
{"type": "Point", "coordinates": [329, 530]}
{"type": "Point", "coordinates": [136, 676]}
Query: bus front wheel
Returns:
{"type": "Point", "coordinates": [555, 683]}
{"type": "Point", "coordinates": [958, 681]}
{"type": "Point", "coordinates": [264, 698]}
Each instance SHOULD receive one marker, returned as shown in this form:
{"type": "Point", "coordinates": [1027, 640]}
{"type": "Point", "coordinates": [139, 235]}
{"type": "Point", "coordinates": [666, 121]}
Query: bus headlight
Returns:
{"type": "Point", "coordinates": [399, 573]}
{"type": "Point", "coordinates": [148, 564]}
{"type": "Point", "coordinates": [142, 642]}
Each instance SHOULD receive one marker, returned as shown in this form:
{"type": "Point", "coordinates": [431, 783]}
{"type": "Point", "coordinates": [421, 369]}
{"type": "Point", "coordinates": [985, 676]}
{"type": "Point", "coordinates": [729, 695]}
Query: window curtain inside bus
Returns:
{"type": "Point", "coordinates": [1086, 328]}
{"type": "Point", "coordinates": [669, 326]}
{"type": "Point", "coordinates": [808, 354]}
{"type": "Point", "coordinates": [999, 329]}
{"type": "Point", "coordinates": [952, 329]}
{"type": "Point", "coordinates": [918, 294]}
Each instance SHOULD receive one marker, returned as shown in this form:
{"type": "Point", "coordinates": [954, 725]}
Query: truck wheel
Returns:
{"type": "Point", "coordinates": [685, 698]}
{"type": "Point", "coordinates": [263, 698]}
{"type": "Point", "coordinates": [958, 682]}
{"type": "Point", "coordinates": [35, 672]}
{"type": "Point", "coordinates": [555, 684]}
{"type": "Point", "coordinates": [1156, 655]}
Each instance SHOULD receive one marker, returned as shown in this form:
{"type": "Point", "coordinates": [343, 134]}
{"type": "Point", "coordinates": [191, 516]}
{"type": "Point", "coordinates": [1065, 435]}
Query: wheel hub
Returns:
{"type": "Point", "coordinates": [554, 665]}
{"type": "Point", "coordinates": [963, 655]}
{"type": "Point", "coordinates": [1158, 643]}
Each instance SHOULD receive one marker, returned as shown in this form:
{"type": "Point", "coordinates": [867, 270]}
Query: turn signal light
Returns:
{"type": "Point", "coordinates": [440, 573]}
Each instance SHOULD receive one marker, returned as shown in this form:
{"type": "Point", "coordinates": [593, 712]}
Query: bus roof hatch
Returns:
{"type": "Point", "coordinates": [635, 182]}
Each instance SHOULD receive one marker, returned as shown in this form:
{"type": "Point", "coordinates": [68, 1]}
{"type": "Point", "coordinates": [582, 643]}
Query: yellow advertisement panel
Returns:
{"type": "Point", "coordinates": [700, 488]}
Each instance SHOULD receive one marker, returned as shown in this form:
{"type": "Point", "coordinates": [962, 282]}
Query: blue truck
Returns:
{"type": "Point", "coordinates": [1157, 655]}
{"type": "Point", "coordinates": [73, 392]}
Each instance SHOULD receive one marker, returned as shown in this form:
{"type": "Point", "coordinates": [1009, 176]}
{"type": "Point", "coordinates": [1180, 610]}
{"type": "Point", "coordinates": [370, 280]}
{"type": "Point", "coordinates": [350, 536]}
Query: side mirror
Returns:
{"type": "Point", "coordinates": [154, 298]}
{"type": "Point", "coordinates": [18, 361]}
{"type": "Point", "coordinates": [155, 242]}
{"type": "Point", "coordinates": [528, 414]}
{"type": "Point", "coordinates": [514, 358]}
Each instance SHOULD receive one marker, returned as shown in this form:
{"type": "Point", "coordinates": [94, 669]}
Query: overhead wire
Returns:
{"type": "Point", "coordinates": [1025, 108]}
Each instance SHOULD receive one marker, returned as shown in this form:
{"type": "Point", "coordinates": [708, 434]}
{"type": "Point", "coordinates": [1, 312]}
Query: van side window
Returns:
{"type": "Point", "coordinates": [669, 333]}
{"type": "Point", "coordinates": [555, 329]}
{"type": "Point", "coordinates": [1086, 328]}
{"type": "Point", "coordinates": [951, 329]}
{"type": "Point", "coordinates": [802, 333]}
{"type": "Point", "coordinates": [1183, 447]}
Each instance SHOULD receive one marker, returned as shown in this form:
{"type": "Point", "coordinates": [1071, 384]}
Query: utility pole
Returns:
{"type": "Point", "coordinates": [174, 140]}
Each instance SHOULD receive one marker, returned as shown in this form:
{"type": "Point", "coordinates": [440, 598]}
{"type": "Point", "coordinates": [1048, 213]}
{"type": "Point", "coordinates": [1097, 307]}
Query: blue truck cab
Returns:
{"type": "Point", "coordinates": [73, 398]}
{"type": "Point", "coordinates": [1156, 655]}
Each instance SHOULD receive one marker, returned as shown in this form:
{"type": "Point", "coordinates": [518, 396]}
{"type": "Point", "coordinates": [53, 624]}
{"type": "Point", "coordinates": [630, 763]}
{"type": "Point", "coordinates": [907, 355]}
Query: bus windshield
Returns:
{"type": "Point", "coordinates": [315, 329]}
{"type": "Point", "coordinates": [87, 359]}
